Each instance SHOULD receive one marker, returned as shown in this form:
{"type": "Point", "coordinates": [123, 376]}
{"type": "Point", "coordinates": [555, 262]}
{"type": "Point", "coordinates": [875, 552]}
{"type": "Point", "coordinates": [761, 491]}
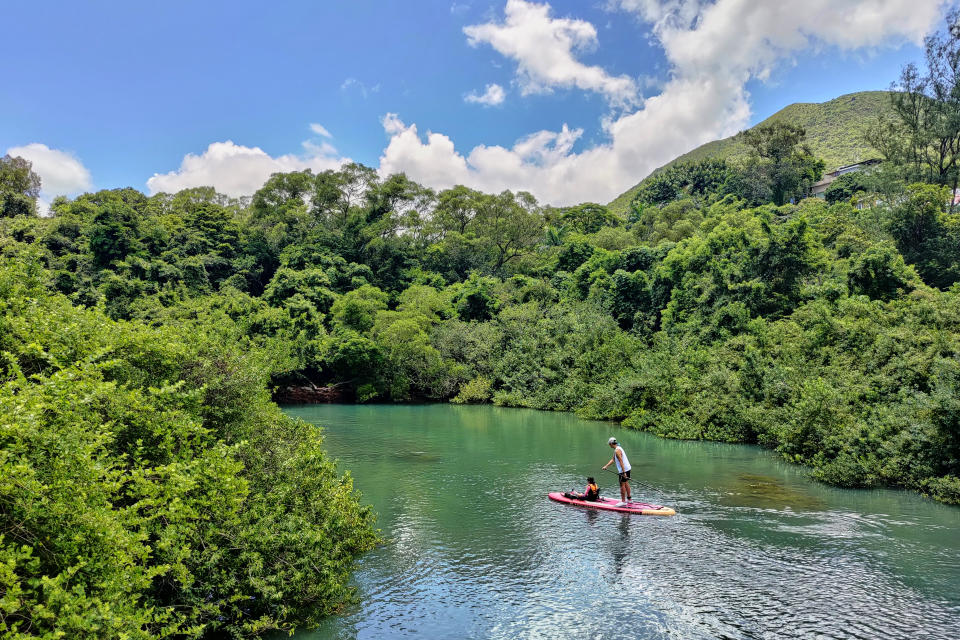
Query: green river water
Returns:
{"type": "Point", "coordinates": [757, 550]}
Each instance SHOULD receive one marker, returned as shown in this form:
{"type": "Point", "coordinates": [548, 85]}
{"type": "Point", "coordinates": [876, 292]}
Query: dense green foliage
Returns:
{"type": "Point", "coordinates": [835, 132]}
{"type": "Point", "coordinates": [150, 488]}
{"type": "Point", "coordinates": [695, 179]}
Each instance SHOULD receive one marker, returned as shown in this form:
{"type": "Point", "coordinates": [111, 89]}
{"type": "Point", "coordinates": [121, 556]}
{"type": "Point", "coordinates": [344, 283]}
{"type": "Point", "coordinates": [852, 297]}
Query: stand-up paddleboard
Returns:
{"type": "Point", "coordinates": [609, 504]}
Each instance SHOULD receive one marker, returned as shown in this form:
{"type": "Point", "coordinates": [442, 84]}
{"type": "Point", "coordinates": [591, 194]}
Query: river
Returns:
{"type": "Point", "coordinates": [756, 550]}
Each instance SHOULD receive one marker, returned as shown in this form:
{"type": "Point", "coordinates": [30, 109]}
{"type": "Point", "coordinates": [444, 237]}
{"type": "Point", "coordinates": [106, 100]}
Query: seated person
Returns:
{"type": "Point", "coordinates": [591, 493]}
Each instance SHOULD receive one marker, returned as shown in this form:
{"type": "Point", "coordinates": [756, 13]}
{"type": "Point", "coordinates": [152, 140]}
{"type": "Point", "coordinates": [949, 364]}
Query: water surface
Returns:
{"type": "Point", "coordinates": [757, 550]}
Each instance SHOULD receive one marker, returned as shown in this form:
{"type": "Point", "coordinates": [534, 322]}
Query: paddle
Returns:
{"type": "Point", "coordinates": [642, 484]}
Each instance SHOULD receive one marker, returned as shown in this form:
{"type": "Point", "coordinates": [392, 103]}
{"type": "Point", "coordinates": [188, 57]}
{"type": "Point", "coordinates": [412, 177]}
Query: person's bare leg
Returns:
{"type": "Point", "coordinates": [624, 487]}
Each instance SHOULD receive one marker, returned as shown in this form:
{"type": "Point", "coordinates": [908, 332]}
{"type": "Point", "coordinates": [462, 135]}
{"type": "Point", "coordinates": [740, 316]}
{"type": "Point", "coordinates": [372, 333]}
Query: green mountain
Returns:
{"type": "Point", "coordinates": [834, 131]}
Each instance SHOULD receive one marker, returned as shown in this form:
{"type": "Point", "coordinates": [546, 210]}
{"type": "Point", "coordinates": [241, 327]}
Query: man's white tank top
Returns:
{"type": "Point", "coordinates": [626, 462]}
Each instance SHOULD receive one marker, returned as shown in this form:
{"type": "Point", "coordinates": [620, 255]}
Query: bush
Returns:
{"type": "Point", "coordinates": [475, 391]}
{"type": "Point", "coordinates": [945, 489]}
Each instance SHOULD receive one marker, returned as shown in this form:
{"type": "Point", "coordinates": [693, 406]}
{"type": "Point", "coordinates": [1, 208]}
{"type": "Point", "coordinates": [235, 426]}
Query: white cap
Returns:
{"type": "Point", "coordinates": [612, 441]}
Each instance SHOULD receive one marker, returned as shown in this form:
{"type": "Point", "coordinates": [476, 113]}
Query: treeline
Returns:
{"type": "Point", "coordinates": [799, 327]}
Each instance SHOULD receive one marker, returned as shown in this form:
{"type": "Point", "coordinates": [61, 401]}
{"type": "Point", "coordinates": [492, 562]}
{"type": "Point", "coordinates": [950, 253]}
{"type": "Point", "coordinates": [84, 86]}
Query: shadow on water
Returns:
{"type": "Point", "coordinates": [767, 492]}
{"type": "Point", "coordinates": [591, 516]}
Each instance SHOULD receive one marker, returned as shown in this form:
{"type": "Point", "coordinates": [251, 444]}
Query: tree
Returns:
{"type": "Point", "coordinates": [673, 222]}
{"type": "Point", "coordinates": [357, 359]}
{"type": "Point", "coordinates": [354, 181]}
{"type": "Point", "coordinates": [19, 187]}
{"type": "Point", "coordinates": [926, 236]}
{"type": "Point", "coordinates": [508, 224]}
{"type": "Point", "coordinates": [281, 203]}
{"type": "Point", "coordinates": [588, 217]}
{"type": "Point", "coordinates": [781, 162]}
{"type": "Point", "coordinates": [356, 309]}
{"type": "Point", "coordinates": [114, 231]}
{"type": "Point", "coordinates": [922, 137]}
{"type": "Point", "coordinates": [554, 236]}
{"type": "Point", "coordinates": [475, 299]}
{"type": "Point", "coordinates": [879, 272]}
{"type": "Point", "coordinates": [573, 254]}
{"type": "Point", "coordinates": [282, 190]}
{"type": "Point", "coordinates": [327, 198]}
{"type": "Point", "coordinates": [456, 209]}
{"type": "Point", "coordinates": [312, 284]}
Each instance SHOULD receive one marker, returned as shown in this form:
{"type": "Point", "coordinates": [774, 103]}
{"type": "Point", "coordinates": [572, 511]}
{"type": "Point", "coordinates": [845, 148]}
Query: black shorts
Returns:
{"type": "Point", "coordinates": [624, 476]}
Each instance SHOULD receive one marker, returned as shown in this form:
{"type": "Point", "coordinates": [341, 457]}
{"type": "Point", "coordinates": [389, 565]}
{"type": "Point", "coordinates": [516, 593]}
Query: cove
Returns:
{"type": "Point", "coordinates": [757, 550]}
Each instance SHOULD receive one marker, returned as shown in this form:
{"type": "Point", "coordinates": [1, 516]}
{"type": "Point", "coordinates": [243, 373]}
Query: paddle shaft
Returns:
{"type": "Point", "coordinates": [642, 484]}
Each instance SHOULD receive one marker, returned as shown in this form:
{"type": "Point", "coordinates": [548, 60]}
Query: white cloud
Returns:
{"type": "Point", "coordinates": [392, 124]}
{"type": "Point", "coordinates": [541, 162]}
{"type": "Point", "coordinates": [61, 173]}
{"type": "Point", "coordinates": [237, 170]}
{"type": "Point", "coordinates": [713, 50]}
{"type": "Point", "coordinates": [493, 95]}
{"type": "Point", "coordinates": [320, 130]}
{"type": "Point", "coordinates": [434, 164]}
{"type": "Point", "coordinates": [544, 49]}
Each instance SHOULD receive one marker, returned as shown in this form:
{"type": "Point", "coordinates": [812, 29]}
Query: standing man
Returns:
{"type": "Point", "coordinates": [623, 470]}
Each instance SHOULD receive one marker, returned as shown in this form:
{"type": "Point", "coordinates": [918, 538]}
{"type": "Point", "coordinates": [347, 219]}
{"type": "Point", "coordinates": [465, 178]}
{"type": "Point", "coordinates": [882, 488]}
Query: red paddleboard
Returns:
{"type": "Point", "coordinates": [609, 504]}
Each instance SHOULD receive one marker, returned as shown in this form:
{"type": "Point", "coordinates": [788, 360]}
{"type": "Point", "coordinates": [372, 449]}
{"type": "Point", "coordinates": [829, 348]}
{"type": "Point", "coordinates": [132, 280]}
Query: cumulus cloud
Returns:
{"type": "Point", "coordinates": [237, 170]}
{"type": "Point", "coordinates": [713, 50]}
{"type": "Point", "coordinates": [544, 49]}
{"type": "Point", "coordinates": [541, 162]}
{"type": "Point", "coordinates": [493, 95]}
{"type": "Point", "coordinates": [61, 173]}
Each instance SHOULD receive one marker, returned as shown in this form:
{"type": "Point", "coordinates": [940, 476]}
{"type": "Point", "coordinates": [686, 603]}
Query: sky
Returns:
{"type": "Point", "coordinates": [572, 100]}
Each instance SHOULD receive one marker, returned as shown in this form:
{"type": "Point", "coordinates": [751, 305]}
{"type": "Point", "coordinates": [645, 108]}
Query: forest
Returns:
{"type": "Point", "coordinates": [151, 487]}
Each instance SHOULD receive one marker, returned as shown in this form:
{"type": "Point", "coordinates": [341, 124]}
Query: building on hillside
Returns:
{"type": "Point", "coordinates": [819, 189]}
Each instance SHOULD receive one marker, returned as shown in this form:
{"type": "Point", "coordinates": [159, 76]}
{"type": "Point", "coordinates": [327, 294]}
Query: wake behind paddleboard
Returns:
{"type": "Point", "coordinates": [609, 504]}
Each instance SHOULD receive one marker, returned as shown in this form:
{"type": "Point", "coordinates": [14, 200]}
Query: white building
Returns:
{"type": "Point", "coordinates": [819, 189]}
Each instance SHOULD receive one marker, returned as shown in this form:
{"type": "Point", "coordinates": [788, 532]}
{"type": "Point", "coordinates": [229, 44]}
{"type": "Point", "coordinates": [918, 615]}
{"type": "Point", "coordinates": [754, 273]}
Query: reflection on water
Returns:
{"type": "Point", "coordinates": [756, 551]}
{"type": "Point", "coordinates": [621, 545]}
{"type": "Point", "coordinates": [766, 492]}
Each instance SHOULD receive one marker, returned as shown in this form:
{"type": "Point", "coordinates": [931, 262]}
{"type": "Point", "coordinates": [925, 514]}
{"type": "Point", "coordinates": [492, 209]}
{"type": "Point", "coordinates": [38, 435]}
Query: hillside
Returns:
{"type": "Point", "coordinates": [834, 131]}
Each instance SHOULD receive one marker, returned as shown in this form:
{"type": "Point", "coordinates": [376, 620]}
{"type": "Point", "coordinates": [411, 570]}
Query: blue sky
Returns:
{"type": "Point", "coordinates": [126, 90]}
